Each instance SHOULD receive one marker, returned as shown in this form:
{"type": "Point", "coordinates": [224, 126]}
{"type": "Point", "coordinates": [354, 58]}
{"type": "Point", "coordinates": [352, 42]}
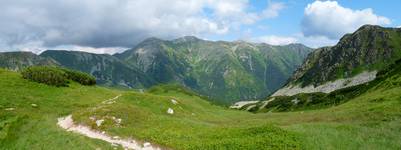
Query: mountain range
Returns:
{"type": "Point", "coordinates": [224, 71]}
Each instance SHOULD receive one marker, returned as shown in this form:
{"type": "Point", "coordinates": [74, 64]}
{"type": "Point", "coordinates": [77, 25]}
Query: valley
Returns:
{"type": "Point", "coordinates": [174, 94]}
{"type": "Point", "coordinates": [369, 120]}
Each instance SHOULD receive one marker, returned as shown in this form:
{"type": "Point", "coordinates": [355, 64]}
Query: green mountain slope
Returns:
{"type": "Point", "coordinates": [20, 60]}
{"type": "Point", "coordinates": [107, 69]}
{"type": "Point", "coordinates": [227, 71]}
{"type": "Point", "coordinates": [369, 48]}
{"type": "Point", "coordinates": [360, 114]}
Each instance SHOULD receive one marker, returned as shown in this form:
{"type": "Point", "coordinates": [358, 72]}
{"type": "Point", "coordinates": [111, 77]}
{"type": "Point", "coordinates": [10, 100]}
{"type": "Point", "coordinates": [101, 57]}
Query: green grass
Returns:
{"type": "Point", "coordinates": [29, 127]}
{"type": "Point", "coordinates": [371, 120]}
{"type": "Point", "coordinates": [195, 123]}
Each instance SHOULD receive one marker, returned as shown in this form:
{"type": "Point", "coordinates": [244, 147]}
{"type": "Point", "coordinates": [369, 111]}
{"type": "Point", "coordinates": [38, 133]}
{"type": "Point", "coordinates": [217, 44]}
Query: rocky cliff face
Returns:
{"type": "Point", "coordinates": [228, 71]}
{"type": "Point", "coordinates": [370, 48]}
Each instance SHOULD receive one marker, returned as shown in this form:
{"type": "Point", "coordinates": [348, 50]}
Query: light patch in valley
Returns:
{"type": "Point", "coordinates": [328, 87]}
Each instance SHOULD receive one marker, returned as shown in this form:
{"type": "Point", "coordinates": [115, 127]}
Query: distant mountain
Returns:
{"type": "Point", "coordinates": [354, 60]}
{"type": "Point", "coordinates": [20, 60]}
{"type": "Point", "coordinates": [107, 69]}
{"type": "Point", "coordinates": [226, 71]}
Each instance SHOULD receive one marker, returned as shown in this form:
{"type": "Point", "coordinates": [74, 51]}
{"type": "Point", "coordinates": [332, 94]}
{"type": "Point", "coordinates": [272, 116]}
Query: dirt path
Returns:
{"type": "Point", "coordinates": [67, 123]}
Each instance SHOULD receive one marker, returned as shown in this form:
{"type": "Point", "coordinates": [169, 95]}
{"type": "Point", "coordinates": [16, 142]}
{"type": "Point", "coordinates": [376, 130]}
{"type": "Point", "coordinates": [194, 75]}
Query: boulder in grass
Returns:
{"type": "Point", "coordinates": [170, 111]}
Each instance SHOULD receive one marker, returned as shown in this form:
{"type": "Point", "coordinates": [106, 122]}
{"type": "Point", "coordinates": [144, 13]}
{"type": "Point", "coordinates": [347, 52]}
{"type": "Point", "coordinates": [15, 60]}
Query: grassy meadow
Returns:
{"type": "Point", "coordinates": [29, 112]}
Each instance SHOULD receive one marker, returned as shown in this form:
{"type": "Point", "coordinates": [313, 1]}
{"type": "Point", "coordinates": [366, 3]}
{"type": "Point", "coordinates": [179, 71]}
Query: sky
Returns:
{"type": "Point", "coordinates": [110, 26]}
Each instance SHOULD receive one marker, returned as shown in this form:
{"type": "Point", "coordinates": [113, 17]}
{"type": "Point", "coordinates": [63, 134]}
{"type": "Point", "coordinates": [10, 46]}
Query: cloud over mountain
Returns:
{"type": "Point", "coordinates": [328, 18]}
{"type": "Point", "coordinates": [275, 40]}
{"type": "Point", "coordinates": [117, 23]}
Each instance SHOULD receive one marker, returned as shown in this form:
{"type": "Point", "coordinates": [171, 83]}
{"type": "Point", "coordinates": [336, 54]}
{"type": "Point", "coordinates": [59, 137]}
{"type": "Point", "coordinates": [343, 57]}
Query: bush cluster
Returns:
{"type": "Point", "coordinates": [47, 75]}
{"type": "Point", "coordinates": [80, 77]}
{"type": "Point", "coordinates": [56, 76]}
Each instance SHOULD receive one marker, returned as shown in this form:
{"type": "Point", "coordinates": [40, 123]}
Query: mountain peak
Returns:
{"type": "Point", "coordinates": [187, 39]}
{"type": "Point", "coordinates": [296, 45]}
{"type": "Point", "coordinates": [152, 40]}
{"type": "Point", "coordinates": [368, 33]}
{"type": "Point", "coordinates": [369, 27]}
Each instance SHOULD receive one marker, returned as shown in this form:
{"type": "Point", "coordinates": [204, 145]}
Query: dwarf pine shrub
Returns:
{"type": "Point", "coordinates": [47, 75]}
{"type": "Point", "coordinates": [80, 77]}
{"type": "Point", "coordinates": [56, 76]}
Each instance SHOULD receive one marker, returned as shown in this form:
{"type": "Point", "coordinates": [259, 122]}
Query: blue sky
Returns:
{"type": "Point", "coordinates": [109, 26]}
{"type": "Point", "coordinates": [290, 17]}
{"type": "Point", "coordinates": [288, 22]}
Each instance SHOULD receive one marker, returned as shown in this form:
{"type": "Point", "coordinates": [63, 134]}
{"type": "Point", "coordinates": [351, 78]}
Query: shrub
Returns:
{"type": "Point", "coordinates": [46, 75]}
{"type": "Point", "coordinates": [80, 77]}
{"type": "Point", "coordinates": [56, 76]}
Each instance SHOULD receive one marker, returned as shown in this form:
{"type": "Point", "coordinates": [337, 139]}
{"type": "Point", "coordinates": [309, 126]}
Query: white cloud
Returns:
{"type": "Point", "coordinates": [399, 27]}
{"type": "Point", "coordinates": [103, 50]}
{"type": "Point", "coordinates": [38, 47]}
{"type": "Point", "coordinates": [311, 41]}
{"type": "Point", "coordinates": [273, 9]}
{"type": "Point", "coordinates": [328, 18]}
{"type": "Point", "coordinates": [274, 40]}
{"type": "Point", "coordinates": [315, 41]}
{"type": "Point", "coordinates": [117, 23]}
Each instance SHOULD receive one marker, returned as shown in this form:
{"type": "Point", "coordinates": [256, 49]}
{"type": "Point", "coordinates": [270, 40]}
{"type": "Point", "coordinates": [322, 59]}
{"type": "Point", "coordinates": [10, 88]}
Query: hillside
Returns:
{"type": "Point", "coordinates": [20, 60]}
{"type": "Point", "coordinates": [354, 60]}
{"type": "Point", "coordinates": [29, 113]}
{"type": "Point", "coordinates": [29, 118]}
{"type": "Point", "coordinates": [226, 71]}
{"type": "Point", "coordinates": [107, 69]}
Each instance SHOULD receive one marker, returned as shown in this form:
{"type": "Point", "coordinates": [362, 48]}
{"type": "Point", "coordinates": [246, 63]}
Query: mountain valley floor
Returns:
{"type": "Point", "coordinates": [29, 113]}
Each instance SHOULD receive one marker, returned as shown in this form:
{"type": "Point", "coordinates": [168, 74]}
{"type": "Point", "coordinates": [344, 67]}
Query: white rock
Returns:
{"type": "Point", "coordinates": [174, 101]}
{"type": "Point", "coordinates": [295, 101]}
{"type": "Point", "coordinates": [146, 144]}
{"type": "Point", "coordinates": [99, 122]}
{"type": "Point", "coordinates": [141, 91]}
{"type": "Point", "coordinates": [110, 102]}
{"type": "Point", "coordinates": [266, 102]}
{"type": "Point", "coordinates": [170, 111]}
{"type": "Point", "coordinates": [118, 120]}
{"type": "Point", "coordinates": [250, 107]}
{"type": "Point", "coordinates": [240, 104]}
{"type": "Point", "coordinates": [10, 109]}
